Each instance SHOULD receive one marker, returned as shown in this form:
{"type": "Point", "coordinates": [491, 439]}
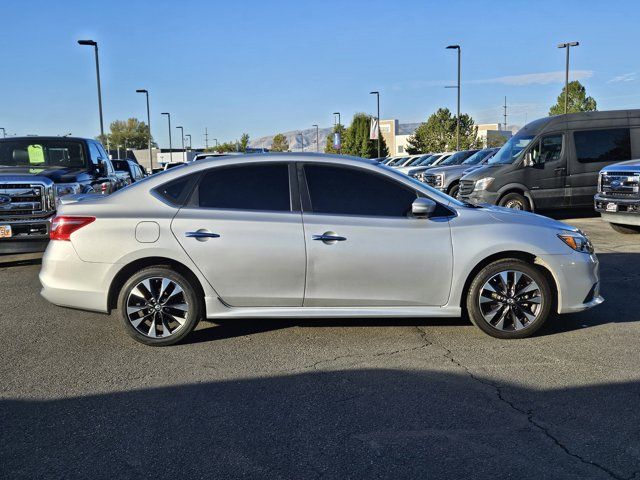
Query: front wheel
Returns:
{"type": "Point", "coordinates": [627, 229]}
{"type": "Point", "coordinates": [453, 191]}
{"type": "Point", "coordinates": [509, 299]}
{"type": "Point", "coordinates": [515, 201]}
{"type": "Point", "coordinates": [159, 307]}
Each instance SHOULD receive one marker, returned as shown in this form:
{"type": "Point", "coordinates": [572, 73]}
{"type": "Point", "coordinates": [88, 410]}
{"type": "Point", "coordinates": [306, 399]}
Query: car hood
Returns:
{"type": "Point", "coordinates": [629, 165]}
{"type": "Point", "coordinates": [450, 168]}
{"type": "Point", "coordinates": [509, 215]}
{"type": "Point", "coordinates": [487, 171]}
{"type": "Point", "coordinates": [55, 174]}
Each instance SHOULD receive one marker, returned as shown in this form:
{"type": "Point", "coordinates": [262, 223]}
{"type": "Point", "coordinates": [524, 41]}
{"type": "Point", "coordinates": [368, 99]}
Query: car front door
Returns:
{"type": "Point", "coordinates": [363, 246]}
{"type": "Point", "coordinates": [546, 177]}
{"type": "Point", "coordinates": [243, 230]}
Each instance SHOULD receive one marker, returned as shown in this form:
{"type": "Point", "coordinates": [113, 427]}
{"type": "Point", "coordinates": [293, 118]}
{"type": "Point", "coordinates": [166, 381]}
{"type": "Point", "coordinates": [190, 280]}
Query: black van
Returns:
{"type": "Point", "coordinates": [553, 162]}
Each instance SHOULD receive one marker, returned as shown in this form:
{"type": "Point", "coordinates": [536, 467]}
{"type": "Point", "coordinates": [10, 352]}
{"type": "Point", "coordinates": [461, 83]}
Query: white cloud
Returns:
{"type": "Point", "coordinates": [625, 77]}
{"type": "Point", "coordinates": [543, 78]}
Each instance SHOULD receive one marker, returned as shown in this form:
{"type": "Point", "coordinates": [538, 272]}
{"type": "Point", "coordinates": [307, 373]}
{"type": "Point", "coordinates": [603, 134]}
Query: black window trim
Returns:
{"type": "Point", "coordinates": [192, 200]}
{"type": "Point", "coordinates": [305, 196]}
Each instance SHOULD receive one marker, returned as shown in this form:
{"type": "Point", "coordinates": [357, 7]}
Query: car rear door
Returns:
{"type": "Point", "coordinates": [364, 248]}
{"type": "Point", "coordinates": [243, 229]}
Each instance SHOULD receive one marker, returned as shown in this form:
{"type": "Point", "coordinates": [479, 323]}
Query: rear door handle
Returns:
{"type": "Point", "coordinates": [329, 238]}
{"type": "Point", "coordinates": [201, 235]}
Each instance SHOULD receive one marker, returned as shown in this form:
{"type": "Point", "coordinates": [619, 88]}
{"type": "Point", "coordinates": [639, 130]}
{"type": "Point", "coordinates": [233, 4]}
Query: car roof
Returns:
{"type": "Point", "coordinates": [51, 137]}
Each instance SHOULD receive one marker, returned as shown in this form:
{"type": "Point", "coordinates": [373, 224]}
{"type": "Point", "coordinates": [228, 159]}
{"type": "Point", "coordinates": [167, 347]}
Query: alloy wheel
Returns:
{"type": "Point", "coordinates": [514, 204]}
{"type": "Point", "coordinates": [157, 307]}
{"type": "Point", "coordinates": [510, 300]}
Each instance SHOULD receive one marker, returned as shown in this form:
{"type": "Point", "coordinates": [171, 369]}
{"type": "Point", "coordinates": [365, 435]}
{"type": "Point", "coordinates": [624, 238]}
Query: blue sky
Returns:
{"type": "Point", "coordinates": [267, 66]}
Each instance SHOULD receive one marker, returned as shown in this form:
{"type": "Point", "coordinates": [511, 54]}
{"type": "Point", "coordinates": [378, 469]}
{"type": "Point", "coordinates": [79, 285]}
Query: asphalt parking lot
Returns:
{"type": "Point", "coordinates": [334, 399]}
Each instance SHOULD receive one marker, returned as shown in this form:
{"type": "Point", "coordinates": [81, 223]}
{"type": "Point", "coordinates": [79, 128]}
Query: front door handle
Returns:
{"type": "Point", "coordinates": [201, 235]}
{"type": "Point", "coordinates": [560, 170]}
{"type": "Point", "coordinates": [329, 238]}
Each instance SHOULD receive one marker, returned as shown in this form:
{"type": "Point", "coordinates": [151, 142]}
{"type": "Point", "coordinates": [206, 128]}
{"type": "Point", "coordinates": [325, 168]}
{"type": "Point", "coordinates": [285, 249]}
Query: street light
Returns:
{"type": "Point", "coordinates": [4, 132]}
{"type": "Point", "coordinates": [188, 135]}
{"type": "Point", "coordinates": [302, 141]}
{"type": "Point", "coordinates": [216, 140]}
{"type": "Point", "coordinates": [184, 153]}
{"type": "Point", "coordinates": [317, 137]}
{"type": "Point", "coordinates": [338, 131]}
{"type": "Point", "coordinates": [457, 47]}
{"type": "Point", "coordinates": [94, 44]}
{"type": "Point", "coordinates": [170, 147]}
{"type": "Point", "coordinates": [142, 90]}
{"type": "Point", "coordinates": [568, 46]}
{"type": "Point", "coordinates": [377, 94]}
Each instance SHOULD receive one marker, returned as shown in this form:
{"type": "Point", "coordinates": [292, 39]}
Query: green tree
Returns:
{"type": "Point", "coordinates": [280, 143]}
{"type": "Point", "coordinates": [577, 101]}
{"type": "Point", "coordinates": [133, 132]}
{"type": "Point", "coordinates": [329, 146]}
{"type": "Point", "coordinates": [223, 147]}
{"type": "Point", "coordinates": [438, 133]}
{"type": "Point", "coordinates": [496, 141]}
{"type": "Point", "coordinates": [357, 142]}
{"type": "Point", "coordinates": [244, 142]}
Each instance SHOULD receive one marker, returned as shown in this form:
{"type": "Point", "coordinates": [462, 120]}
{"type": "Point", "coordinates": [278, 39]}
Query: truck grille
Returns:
{"type": "Point", "coordinates": [620, 184]}
{"type": "Point", "coordinates": [466, 187]}
{"type": "Point", "coordinates": [20, 200]}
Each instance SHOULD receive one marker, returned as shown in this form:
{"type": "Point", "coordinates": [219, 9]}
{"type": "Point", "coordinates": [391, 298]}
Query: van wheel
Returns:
{"type": "Point", "coordinates": [625, 228]}
{"type": "Point", "coordinates": [509, 299]}
{"type": "Point", "coordinates": [159, 307]}
{"type": "Point", "coordinates": [515, 201]}
{"type": "Point", "coordinates": [453, 191]}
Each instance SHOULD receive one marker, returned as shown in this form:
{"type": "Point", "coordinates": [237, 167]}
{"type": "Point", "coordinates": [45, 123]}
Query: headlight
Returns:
{"type": "Point", "coordinates": [483, 183]}
{"type": "Point", "coordinates": [577, 241]}
{"type": "Point", "coordinates": [435, 180]}
{"type": "Point", "coordinates": [63, 189]}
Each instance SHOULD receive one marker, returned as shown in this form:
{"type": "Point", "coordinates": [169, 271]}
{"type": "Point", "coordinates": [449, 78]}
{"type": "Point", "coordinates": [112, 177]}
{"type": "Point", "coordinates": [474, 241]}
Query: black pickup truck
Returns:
{"type": "Point", "coordinates": [35, 172]}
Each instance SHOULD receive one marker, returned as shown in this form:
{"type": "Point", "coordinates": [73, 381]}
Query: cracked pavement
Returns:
{"type": "Point", "coordinates": [385, 398]}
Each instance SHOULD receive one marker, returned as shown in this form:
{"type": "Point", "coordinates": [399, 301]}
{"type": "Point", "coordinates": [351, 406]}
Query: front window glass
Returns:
{"type": "Point", "coordinates": [478, 157]}
{"type": "Point", "coordinates": [246, 187]}
{"type": "Point", "coordinates": [510, 151]}
{"type": "Point", "coordinates": [547, 150]}
{"type": "Point", "coordinates": [350, 191]}
{"type": "Point", "coordinates": [457, 158]}
{"type": "Point", "coordinates": [42, 153]}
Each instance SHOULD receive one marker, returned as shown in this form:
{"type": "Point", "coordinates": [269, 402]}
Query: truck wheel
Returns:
{"type": "Point", "coordinates": [625, 228]}
{"type": "Point", "coordinates": [159, 307]}
{"type": "Point", "coordinates": [515, 201]}
{"type": "Point", "coordinates": [453, 191]}
{"type": "Point", "coordinates": [509, 299]}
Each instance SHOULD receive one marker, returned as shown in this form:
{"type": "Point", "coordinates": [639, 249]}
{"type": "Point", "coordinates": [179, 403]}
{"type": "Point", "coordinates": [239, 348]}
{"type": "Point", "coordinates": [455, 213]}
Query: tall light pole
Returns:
{"type": "Point", "coordinates": [4, 132]}
{"type": "Point", "coordinates": [206, 138]}
{"type": "Point", "coordinates": [141, 90]}
{"type": "Point", "coordinates": [189, 137]}
{"type": "Point", "coordinates": [216, 140]}
{"type": "Point", "coordinates": [184, 153]}
{"type": "Point", "coordinates": [568, 46]}
{"type": "Point", "coordinates": [302, 141]}
{"type": "Point", "coordinates": [170, 147]}
{"type": "Point", "coordinates": [377, 94]}
{"type": "Point", "coordinates": [94, 44]}
{"type": "Point", "coordinates": [317, 137]}
{"type": "Point", "coordinates": [338, 130]}
{"type": "Point", "coordinates": [457, 47]}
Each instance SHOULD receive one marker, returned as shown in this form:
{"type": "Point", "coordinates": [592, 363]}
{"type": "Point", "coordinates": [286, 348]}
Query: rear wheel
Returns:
{"type": "Point", "coordinates": [509, 299]}
{"type": "Point", "coordinates": [159, 307]}
{"type": "Point", "coordinates": [627, 229]}
{"type": "Point", "coordinates": [515, 201]}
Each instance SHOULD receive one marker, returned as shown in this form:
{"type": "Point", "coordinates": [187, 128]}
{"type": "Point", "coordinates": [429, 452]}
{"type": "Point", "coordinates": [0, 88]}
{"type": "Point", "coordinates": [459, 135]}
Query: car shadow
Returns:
{"type": "Point", "coordinates": [349, 423]}
{"type": "Point", "coordinates": [568, 214]}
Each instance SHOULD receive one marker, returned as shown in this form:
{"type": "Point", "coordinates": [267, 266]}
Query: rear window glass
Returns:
{"type": "Point", "coordinates": [174, 192]}
{"type": "Point", "coordinates": [611, 145]}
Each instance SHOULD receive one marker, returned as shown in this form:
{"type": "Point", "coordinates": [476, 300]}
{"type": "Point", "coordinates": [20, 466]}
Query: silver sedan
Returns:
{"type": "Point", "coordinates": [304, 235]}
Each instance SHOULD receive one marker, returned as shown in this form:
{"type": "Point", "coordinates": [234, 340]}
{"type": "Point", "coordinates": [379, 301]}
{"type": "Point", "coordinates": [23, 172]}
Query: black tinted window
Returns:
{"type": "Point", "coordinates": [248, 187]}
{"type": "Point", "coordinates": [336, 190]}
{"type": "Point", "coordinates": [612, 145]}
{"type": "Point", "coordinates": [174, 192]}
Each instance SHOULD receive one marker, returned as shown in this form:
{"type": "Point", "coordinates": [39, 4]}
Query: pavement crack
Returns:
{"type": "Point", "coordinates": [529, 414]}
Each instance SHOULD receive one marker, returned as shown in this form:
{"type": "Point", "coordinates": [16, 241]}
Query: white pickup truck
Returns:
{"type": "Point", "coordinates": [618, 197]}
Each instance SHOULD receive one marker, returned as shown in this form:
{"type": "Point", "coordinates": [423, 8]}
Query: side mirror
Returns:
{"type": "Point", "coordinates": [101, 168]}
{"type": "Point", "coordinates": [423, 207]}
{"type": "Point", "coordinates": [528, 160]}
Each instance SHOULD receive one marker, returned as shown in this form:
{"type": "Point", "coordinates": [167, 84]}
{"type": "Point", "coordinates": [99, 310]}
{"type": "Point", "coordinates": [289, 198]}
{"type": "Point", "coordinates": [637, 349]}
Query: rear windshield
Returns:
{"type": "Point", "coordinates": [42, 153]}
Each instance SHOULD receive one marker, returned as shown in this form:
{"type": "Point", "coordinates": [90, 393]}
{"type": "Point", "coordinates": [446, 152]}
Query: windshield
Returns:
{"type": "Point", "coordinates": [428, 161]}
{"type": "Point", "coordinates": [457, 158]}
{"type": "Point", "coordinates": [42, 153]}
{"type": "Point", "coordinates": [477, 157]}
{"type": "Point", "coordinates": [397, 161]}
{"type": "Point", "coordinates": [511, 150]}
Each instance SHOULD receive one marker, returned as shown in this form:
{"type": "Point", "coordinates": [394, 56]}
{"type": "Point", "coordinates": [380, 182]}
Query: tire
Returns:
{"type": "Point", "coordinates": [453, 191]}
{"type": "Point", "coordinates": [514, 318]}
{"type": "Point", "coordinates": [626, 229]}
{"type": "Point", "coordinates": [515, 201]}
{"type": "Point", "coordinates": [159, 306]}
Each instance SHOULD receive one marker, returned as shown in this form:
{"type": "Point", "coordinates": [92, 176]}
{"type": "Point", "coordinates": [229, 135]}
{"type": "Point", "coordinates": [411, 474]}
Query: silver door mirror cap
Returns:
{"type": "Point", "coordinates": [528, 160]}
{"type": "Point", "coordinates": [423, 207]}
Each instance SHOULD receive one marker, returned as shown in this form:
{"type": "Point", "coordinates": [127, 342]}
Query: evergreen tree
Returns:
{"type": "Point", "coordinates": [577, 101]}
{"type": "Point", "coordinates": [438, 133]}
{"type": "Point", "coordinates": [357, 141]}
{"type": "Point", "coordinates": [280, 143]}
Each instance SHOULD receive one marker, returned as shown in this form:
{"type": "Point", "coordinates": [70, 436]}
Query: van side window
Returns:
{"type": "Point", "coordinates": [548, 149]}
{"type": "Point", "coordinates": [611, 145]}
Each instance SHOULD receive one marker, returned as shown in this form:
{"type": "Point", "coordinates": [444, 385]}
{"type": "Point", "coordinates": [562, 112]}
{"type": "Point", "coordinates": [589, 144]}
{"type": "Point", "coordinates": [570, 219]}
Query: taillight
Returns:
{"type": "Point", "coordinates": [63, 226]}
{"type": "Point", "coordinates": [103, 188]}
